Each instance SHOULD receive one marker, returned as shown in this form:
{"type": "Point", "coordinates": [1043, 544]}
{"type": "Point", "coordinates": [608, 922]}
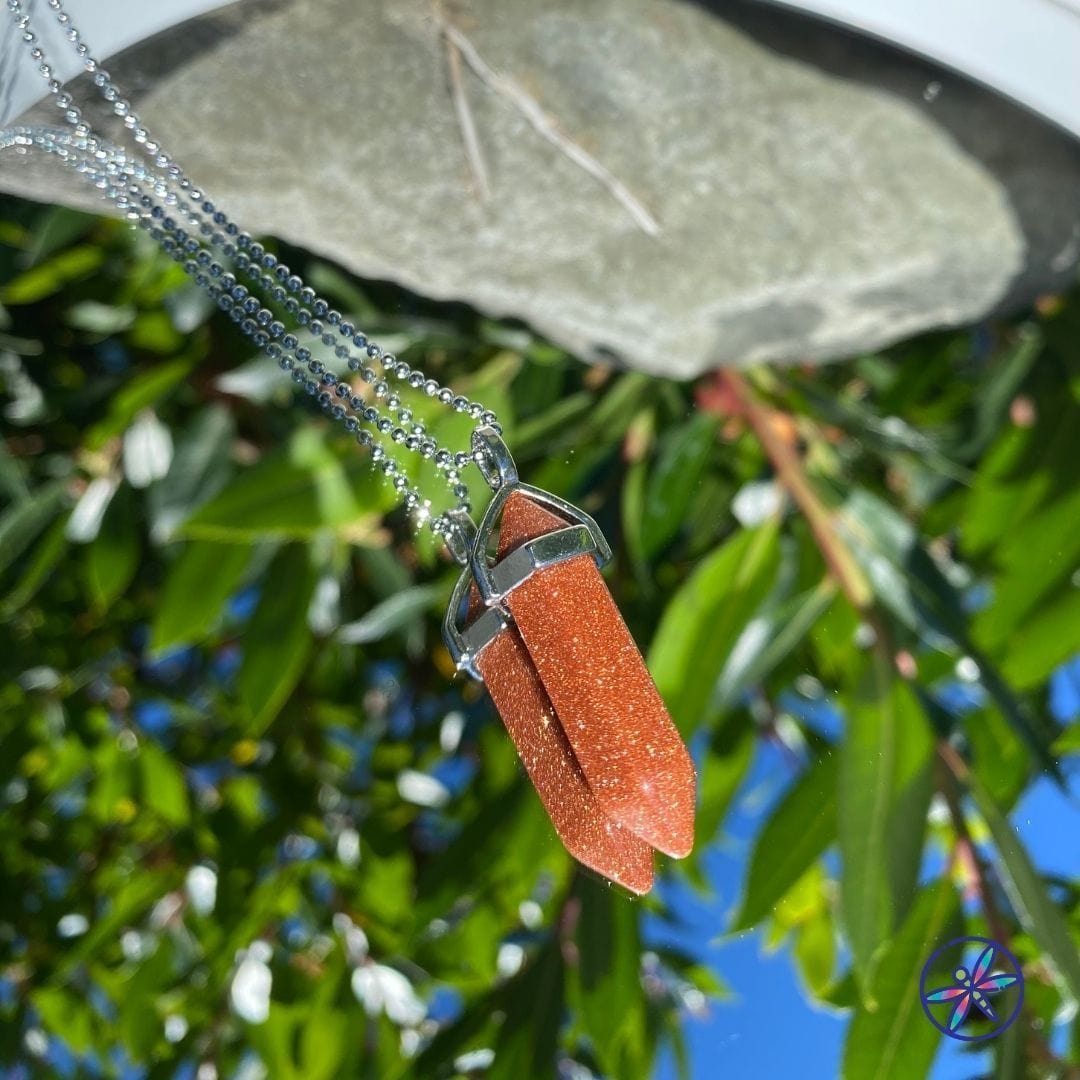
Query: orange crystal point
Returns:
{"type": "Point", "coordinates": [622, 737]}
{"type": "Point", "coordinates": [583, 827]}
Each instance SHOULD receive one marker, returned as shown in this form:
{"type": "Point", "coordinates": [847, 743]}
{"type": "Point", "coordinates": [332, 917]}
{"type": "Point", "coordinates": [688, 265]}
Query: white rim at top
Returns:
{"type": "Point", "coordinates": [108, 27]}
{"type": "Point", "coordinates": [1028, 50]}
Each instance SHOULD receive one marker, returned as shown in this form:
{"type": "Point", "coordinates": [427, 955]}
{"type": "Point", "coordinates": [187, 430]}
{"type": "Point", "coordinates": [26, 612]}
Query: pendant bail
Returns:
{"type": "Point", "coordinates": [494, 579]}
{"type": "Point", "coordinates": [493, 458]}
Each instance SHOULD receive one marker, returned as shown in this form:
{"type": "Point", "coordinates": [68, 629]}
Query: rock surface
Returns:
{"type": "Point", "coordinates": [816, 195]}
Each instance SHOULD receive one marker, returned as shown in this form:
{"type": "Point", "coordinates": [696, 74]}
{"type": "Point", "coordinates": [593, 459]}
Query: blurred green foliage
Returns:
{"type": "Point", "coordinates": [248, 811]}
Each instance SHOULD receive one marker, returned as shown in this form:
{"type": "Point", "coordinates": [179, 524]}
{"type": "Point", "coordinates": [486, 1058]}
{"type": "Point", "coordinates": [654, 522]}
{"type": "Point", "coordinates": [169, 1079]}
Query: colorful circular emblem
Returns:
{"type": "Point", "coordinates": [986, 982]}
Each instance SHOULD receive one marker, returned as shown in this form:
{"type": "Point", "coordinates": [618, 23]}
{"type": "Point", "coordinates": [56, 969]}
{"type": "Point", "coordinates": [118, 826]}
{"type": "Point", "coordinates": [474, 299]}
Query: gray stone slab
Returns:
{"type": "Point", "coordinates": [817, 195]}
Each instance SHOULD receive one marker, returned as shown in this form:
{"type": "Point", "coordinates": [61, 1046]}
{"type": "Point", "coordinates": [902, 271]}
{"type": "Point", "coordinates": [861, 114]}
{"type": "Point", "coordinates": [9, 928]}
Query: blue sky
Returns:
{"type": "Point", "coordinates": [770, 1029]}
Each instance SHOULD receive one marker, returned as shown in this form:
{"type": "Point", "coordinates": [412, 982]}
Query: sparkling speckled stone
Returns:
{"type": "Point", "coordinates": [586, 831]}
{"type": "Point", "coordinates": [610, 710]}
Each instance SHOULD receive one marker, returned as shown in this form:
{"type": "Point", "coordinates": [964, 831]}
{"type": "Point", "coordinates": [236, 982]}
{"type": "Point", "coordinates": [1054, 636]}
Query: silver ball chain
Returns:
{"type": "Point", "coordinates": [149, 197]}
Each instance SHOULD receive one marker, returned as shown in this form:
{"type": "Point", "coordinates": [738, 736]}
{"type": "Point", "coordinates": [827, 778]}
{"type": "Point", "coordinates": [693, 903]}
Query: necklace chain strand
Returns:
{"type": "Point", "coordinates": [145, 197]}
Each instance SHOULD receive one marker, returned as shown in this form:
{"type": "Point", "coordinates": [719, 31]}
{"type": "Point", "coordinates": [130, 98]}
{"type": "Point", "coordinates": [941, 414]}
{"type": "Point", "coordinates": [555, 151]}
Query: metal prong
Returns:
{"type": "Point", "coordinates": [483, 572]}
{"type": "Point", "coordinates": [465, 644]}
{"type": "Point", "coordinates": [547, 550]}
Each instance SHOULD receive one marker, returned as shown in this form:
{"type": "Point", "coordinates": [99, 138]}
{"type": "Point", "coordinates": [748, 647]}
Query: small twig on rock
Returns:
{"type": "Point", "coordinates": [469, 137]}
{"type": "Point", "coordinates": [530, 108]}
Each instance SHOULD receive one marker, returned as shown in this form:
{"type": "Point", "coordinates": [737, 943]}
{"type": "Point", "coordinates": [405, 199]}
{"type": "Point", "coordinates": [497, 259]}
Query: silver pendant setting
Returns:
{"type": "Point", "coordinates": [495, 580]}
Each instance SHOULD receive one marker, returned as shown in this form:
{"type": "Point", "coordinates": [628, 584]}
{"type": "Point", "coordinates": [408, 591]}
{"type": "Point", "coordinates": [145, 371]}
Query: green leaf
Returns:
{"type": "Point", "coordinates": [612, 1002]}
{"type": "Point", "coordinates": [452, 1040]}
{"type": "Point", "coordinates": [996, 392]}
{"type": "Point", "coordinates": [277, 639]}
{"type": "Point", "coordinates": [66, 1016]}
{"type": "Point", "coordinates": [1069, 742]}
{"type": "Point", "coordinates": [113, 557]}
{"type": "Point", "coordinates": [25, 519]}
{"type": "Point", "coordinates": [885, 784]}
{"type": "Point", "coordinates": [503, 871]}
{"type": "Point", "coordinates": [704, 619]}
{"type": "Point", "coordinates": [1038, 914]}
{"type": "Point", "coordinates": [47, 554]}
{"type": "Point", "coordinates": [199, 469]}
{"type": "Point", "coordinates": [908, 582]}
{"type": "Point", "coordinates": [110, 797]}
{"type": "Point", "coordinates": [533, 1003]}
{"type": "Point", "coordinates": [798, 831]}
{"type": "Point", "coordinates": [49, 277]}
{"type": "Point", "coordinates": [533, 434]}
{"type": "Point", "coordinates": [301, 1043]}
{"type": "Point", "coordinates": [396, 612]}
{"type": "Point", "coordinates": [138, 998]}
{"type": "Point", "coordinates": [154, 332]}
{"type": "Point", "coordinates": [676, 1039]}
{"type": "Point", "coordinates": [768, 639]}
{"type": "Point", "coordinates": [1038, 556]}
{"type": "Point", "coordinates": [1042, 642]}
{"type": "Point", "coordinates": [387, 887]}
{"type": "Point", "coordinates": [58, 227]}
{"type": "Point", "coordinates": [815, 951]}
{"type": "Point", "coordinates": [1019, 516]}
{"type": "Point", "coordinates": [673, 481]}
{"type": "Point", "coordinates": [997, 755]}
{"type": "Point", "coordinates": [1010, 1057]}
{"type": "Point", "coordinates": [138, 393]}
{"type": "Point", "coordinates": [894, 1041]}
{"type": "Point", "coordinates": [905, 579]}
{"type": "Point", "coordinates": [890, 437]}
{"type": "Point", "coordinates": [134, 895]}
{"type": "Point", "coordinates": [198, 584]}
{"type": "Point", "coordinates": [294, 495]}
{"type": "Point", "coordinates": [274, 1040]}
{"type": "Point", "coordinates": [1026, 470]}
{"type": "Point", "coordinates": [323, 1042]}
{"type": "Point", "coordinates": [805, 913]}
{"type": "Point", "coordinates": [12, 475]}
{"type": "Point", "coordinates": [163, 788]}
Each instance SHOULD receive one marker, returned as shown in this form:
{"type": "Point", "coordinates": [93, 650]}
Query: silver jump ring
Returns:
{"type": "Point", "coordinates": [493, 458]}
{"type": "Point", "coordinates": [460, 535]}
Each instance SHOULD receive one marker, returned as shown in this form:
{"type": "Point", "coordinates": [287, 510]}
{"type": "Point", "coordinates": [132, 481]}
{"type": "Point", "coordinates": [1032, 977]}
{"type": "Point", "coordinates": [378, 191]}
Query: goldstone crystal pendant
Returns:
{"type": "Point", "coordinates": [539, 627]}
